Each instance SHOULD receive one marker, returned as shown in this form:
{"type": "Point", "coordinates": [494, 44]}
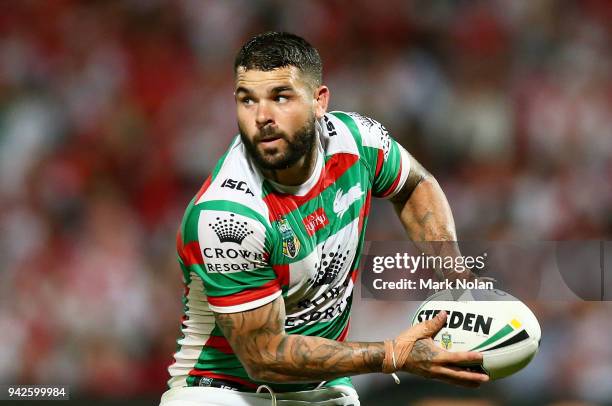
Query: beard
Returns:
{"type": "Point", "coordinates": [297, 146]}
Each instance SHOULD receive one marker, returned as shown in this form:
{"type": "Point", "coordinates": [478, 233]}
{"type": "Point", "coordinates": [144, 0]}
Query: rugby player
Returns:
{"type": "Point", "coordinates": [270, 245]}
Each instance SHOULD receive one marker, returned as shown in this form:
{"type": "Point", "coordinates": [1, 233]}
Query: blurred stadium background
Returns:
{"type": "Point", "coordinates": [112, 113]}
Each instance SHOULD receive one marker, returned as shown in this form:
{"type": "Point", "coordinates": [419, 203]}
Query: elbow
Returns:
{"type": "Point", "coordinates": [263, 373]}
{"type": "Point", "coordinates": [257, 368]}
{"type": "Point", "coordinates": [254, 371]}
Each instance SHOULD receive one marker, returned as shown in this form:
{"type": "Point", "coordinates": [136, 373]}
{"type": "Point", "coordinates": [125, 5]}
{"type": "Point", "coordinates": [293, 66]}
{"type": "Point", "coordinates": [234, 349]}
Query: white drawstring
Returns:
{"type": "Point", "coordinates": [394, 375]}
{"type": "Point", "coordinates": [269, 390]}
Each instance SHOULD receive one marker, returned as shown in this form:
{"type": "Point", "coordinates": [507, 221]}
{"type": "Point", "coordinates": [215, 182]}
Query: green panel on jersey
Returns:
{"type": "Point", "coordinates": [389, 171]}
{"type": "Point", "coordinates": [352, 126]}
{"type": "Point", "coordinates": [391, 166]}
{"type": "Point", "coordinates": [368, 155]}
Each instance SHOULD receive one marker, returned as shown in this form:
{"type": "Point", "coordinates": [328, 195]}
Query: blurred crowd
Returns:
{"type": "Point", "coordinates": [112, 113]}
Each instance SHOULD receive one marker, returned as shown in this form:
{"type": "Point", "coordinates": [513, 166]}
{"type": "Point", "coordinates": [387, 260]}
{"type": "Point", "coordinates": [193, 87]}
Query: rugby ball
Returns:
{"type": "Point", "coordinates": [492, 322]}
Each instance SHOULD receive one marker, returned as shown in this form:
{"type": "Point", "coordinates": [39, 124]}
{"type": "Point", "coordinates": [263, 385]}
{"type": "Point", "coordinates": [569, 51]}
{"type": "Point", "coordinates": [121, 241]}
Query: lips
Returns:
{"type": "Point", "coordinates": [269, 139]}
{"type": "Point", "coordinates": [271, 143]}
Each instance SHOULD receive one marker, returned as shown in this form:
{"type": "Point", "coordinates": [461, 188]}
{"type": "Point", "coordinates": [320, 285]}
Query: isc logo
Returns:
{"type": "Point", "coordinates": [331, 130]}
{"type": "Point", "coordinates": [241, 186]}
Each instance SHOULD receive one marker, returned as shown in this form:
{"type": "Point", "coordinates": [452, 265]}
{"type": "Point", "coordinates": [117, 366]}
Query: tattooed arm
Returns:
{"type": "Point", "coordinates": [423, 208]}
{"type": "Point", "coordinates": [426, 215]}
{"type": "Point", "coordinates": [269, 354]}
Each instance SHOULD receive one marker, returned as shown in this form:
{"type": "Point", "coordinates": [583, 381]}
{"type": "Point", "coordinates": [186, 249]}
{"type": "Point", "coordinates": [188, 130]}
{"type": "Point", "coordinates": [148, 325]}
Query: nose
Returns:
{"type": "Point", "coordinates": [264, 114]}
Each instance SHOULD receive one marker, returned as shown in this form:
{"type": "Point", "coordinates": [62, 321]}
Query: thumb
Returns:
{"type": "Point", "coordinates": [430, 328]}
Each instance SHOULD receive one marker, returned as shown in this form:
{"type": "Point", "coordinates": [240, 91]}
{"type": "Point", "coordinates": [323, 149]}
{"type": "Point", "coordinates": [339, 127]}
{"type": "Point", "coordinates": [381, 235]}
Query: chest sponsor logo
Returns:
{"type": "Point", "coordinates": [315, 221]}
{"type": "Point", "coordinates": [291, 244]}
{"type": "Point", "coordinates": [343, 201]}
{"type": "Point", "coordinates": [320, 315]}
{"type": "Point", "coordinates": [237, 185]}
{"type": "Point", "coordinates": [332, 263]}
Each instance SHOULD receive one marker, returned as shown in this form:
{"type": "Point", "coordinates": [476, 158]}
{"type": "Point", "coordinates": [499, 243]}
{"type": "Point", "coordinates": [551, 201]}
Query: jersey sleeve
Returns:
{"type": "Point", "coordinates": [236, 272]}
{"type": "Point", "coordinates": [387, 159]}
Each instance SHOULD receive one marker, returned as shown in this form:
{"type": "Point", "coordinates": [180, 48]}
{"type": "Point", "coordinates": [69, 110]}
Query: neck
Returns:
{"type": "Point", "coordinates": [296, 174]}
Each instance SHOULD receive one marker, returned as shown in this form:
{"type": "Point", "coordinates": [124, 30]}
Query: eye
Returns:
{"type": "Point", "coordinates": [281, 99]}
{"type": "Point", "coordinates": [247, 101]}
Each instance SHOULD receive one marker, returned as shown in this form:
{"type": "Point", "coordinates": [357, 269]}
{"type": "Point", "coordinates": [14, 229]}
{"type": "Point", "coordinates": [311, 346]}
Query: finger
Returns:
{"type": "Point", "coordinates": [461, 383]}
{"type": "Point", "coordinates": [465, 358]}
{"type": "Point", "coordinates": [429, 328]}
{"type": "Point", "coordinates": [459, 374]}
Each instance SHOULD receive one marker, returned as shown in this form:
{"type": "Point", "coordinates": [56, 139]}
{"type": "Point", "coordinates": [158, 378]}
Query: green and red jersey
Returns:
{"type": "Point", "coordinates": [245, 240]}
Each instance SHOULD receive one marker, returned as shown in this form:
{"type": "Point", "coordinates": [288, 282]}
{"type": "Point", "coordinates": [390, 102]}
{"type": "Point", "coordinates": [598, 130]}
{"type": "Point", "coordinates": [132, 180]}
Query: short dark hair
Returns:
{"type": "Point", "coordinates": [273, 50]}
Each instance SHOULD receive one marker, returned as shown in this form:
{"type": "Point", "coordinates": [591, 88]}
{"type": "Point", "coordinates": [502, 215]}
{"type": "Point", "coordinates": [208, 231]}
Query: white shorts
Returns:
{"type": "Point", "coordinates": [207, 396]}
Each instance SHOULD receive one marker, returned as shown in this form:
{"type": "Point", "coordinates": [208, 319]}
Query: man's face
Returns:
{"type": "Point", "coordinates": [276, 115]}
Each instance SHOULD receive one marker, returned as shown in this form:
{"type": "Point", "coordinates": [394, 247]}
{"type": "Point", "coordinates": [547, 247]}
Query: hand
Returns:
{"type": "Point", "coordinates": [415, 352]}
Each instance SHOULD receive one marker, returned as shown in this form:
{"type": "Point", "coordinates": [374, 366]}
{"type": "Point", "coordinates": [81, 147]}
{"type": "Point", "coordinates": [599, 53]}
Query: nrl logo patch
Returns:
{"type": "Point", "coordinates": [291, 244]}
{"type": "Point", "coordinates": [446, 341]}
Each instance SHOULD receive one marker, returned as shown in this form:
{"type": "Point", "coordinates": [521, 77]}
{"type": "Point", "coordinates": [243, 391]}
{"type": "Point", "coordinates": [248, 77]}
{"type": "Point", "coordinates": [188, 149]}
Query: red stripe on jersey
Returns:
{"type": "Point", "coordinates": [379, 161]}
{"type": "Point", "coordinates": [395, 182]}
{"type": "Point", "coordinates": [191, 254]}
{"type": "Point", "coordinates": [219, 343]}
{"type": "Point", "coordinates": [203, 188]}
{"type": "Point", "coordinates": [208, 374]}
{"type": "Point", "coordinates": [364, 211]}
{"type": "Point", "coordinates": [354, 274]}
{"type": "Point", "coordinates": [246, 296]}
{"type": "Point", "coordinates": [280, 204]}
{"type": "Point", "coordinates": [282, 272]}
{"type": "Point", "coordinates": [344, 332]}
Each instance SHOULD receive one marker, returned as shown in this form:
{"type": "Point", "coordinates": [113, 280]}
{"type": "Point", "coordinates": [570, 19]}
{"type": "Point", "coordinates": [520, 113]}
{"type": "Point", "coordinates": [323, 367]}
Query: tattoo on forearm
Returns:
{"type": "Point", "coordinates": [262, 346]}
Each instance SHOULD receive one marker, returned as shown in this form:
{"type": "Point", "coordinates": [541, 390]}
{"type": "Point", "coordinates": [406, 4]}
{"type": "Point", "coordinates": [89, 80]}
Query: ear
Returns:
{"type": "Point", "coordinates": [321, 100]}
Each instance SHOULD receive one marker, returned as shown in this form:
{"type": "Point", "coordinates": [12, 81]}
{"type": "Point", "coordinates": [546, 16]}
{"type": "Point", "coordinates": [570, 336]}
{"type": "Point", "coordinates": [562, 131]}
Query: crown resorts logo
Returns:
{"type": "Point", "coordinates": [291, 244]}
{"type": "Point", "coordinates": [231, 230]}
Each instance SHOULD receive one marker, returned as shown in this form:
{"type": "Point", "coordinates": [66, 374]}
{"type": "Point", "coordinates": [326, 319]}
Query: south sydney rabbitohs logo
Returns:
{"type": "Point", "coordinates": [343, 201]}
{"type": "Point", "coordinates": [291, 244]}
